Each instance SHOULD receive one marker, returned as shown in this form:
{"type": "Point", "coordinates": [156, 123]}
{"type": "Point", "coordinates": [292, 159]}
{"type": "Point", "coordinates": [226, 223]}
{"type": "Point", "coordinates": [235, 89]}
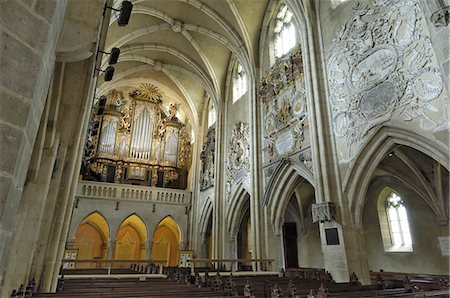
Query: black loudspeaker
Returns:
{"type": "Point", "coordinates": [102, 101]}
{"type": "Point", "coordinates": [125, 13]}
{"type": "Point", "coordinates": [100, 111]}
{"type": "Point", "coordinates": [115, 52]}
{"type": "Point", "coordinates": [109, 73]}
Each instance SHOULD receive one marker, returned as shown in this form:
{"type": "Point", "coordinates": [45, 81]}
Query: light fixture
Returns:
{"type": "Point", "coordinates": [117, 205]}
{"type": "Point", "coordinates": [125, 13]}
{"type": "Point", "coordinates": [114, 55]}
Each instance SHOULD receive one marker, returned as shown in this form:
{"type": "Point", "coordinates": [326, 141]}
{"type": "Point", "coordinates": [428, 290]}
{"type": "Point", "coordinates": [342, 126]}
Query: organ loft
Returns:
{"type": "Point", "coordinates": [201, 148]}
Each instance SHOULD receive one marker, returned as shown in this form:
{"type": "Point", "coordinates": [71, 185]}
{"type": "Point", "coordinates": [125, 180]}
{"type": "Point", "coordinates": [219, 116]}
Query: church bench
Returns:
{"type": "Point", "coordinates": [410, 280]}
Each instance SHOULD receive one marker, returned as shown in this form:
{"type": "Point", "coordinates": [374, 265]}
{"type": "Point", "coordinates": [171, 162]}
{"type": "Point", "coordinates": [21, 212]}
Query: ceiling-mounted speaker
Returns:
{"type": "Point", "coordinates": [109, 73]}
{"type": "Point", "coordinates": [114, 55]}
{"type": "Point", "coordinates": [125, 13]}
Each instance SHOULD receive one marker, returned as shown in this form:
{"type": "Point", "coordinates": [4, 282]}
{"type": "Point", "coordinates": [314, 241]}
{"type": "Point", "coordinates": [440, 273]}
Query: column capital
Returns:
{"type": "Point", "coordinates": [325, 211]}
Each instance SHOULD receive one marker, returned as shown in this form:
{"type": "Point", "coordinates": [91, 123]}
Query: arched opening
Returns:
{"type": "Point", "coordinates": [130, 239]}
{"type": "Point", "coordinates": [166, 239]}
{"type": "Point", "coordinates": [301, 238]}
{"type": "Point", "coordinates": [405, 216]}
{"type": "Point", "coordinates": [90, 239]}
{"type": "Point", "coordinates": [244, 236]}
{"type": "Point", "coordinates": [208, 237]}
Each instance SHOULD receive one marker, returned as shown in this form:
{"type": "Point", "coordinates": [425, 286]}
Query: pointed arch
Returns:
{"type": "Point", "coordinates": [239, 203]}
{"type": "Point", "coordinates": [137, 223]}
{"type": "Point", "coordinates": [285, 168]}
{"type": "Point", "coordinates": [172, 224]}
{"type": "Point", "coordinates": [282, 183]}
{"type": "Point", "coordinates": [104, 228]}
{"type": "Point", "coordinates": [166, 240]}
{"type": "Point", "coordinates": [205, 214]}
{"type": "Point", "coordinates": [357, 179]}
{"type": "Point", "coordinates": [90, 238]}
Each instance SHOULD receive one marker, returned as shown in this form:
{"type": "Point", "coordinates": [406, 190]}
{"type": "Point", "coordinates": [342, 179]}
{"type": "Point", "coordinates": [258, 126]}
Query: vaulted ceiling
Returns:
{"type": "Point", "coordinates": [184, 48]}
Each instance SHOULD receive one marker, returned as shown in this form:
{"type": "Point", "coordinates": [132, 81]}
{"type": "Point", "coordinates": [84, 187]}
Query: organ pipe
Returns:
{"type": "Point", "coordinates": [152, 136]}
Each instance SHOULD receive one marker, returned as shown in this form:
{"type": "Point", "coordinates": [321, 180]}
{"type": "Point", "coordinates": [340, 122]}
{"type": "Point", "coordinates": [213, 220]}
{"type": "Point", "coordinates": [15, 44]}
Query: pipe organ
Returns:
{"type": "Point", "coordinates": [137, 141]}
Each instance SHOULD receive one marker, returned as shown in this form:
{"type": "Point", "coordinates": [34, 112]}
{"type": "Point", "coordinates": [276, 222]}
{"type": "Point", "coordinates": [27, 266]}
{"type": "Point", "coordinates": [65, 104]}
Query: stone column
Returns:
{"type": "Point", "coordinates": [148, 249]}
{"type": "Point", "coordinates": [28, 36]}
{"type": "Point", "coordinates": [110, 248]}
{"type": "Point", "coordinates": [328, 188]}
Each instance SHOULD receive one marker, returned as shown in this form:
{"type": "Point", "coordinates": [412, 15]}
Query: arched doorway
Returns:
{"type": "Point", "coordinates": [244, 237]}
{"type": "Point", "coordinates": [300, 236]}
{"type": "Point", "coordinates": [208, 237]}
{"type": "Point", "coordinates": [166, 239]}
{"type": "Point", "coordinates": [130, 239]}
{"type": "Point", "coordinates": [90, 239]}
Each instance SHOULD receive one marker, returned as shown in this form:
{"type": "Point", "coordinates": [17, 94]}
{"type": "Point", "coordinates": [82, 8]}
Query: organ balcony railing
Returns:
{"type": "Point", "coordinates": [124, 192]}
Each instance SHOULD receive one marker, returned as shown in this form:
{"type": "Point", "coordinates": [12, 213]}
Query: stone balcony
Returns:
{"type": "Point", "coordinates": [126, 192]}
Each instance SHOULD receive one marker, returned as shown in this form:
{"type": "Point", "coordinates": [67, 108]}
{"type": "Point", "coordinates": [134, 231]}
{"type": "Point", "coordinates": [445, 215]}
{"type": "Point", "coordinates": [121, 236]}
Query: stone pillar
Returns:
{"type": "Point", "coordinates": [148, 249]}
{"type": "Point", "coordinates": [342, 245]}
{"type": "Point", "coordinates": [110, 248]}
{"type": "Point", "coordinates": [28, 37]}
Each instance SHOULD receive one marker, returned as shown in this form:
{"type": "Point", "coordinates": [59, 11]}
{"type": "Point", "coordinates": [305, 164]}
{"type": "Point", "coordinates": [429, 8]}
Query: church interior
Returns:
{"type": "Point", "coordinates": [242, 136]}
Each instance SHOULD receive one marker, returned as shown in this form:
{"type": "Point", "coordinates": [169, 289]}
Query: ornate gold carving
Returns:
{"type": "Point", "coordinates": [136, 135]}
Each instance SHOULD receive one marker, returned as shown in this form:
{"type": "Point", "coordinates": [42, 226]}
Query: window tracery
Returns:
{"type": "Point", "coordinates": [398, 221]}
{"type": "Point", "coordinates": [284, 32]}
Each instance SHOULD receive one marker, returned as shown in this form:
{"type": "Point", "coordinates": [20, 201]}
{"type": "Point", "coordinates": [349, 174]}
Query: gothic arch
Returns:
{"type": "Point", "coordinates": [285, 169]}
{"type": "Point", "coordinates": [239, 203]}
{"type": "Point", "coordinates": [177, 220]}
{"type": "Point", "coordinates": [357, 179]}
{"type": "Point", "coordinates": [77, 222]}
{"type": "Point", "coordinates": [280, 188]}
{"type": "Point", "coordinates": [205, 214]}
{"type": "Point", "coordinates": [142, 234]}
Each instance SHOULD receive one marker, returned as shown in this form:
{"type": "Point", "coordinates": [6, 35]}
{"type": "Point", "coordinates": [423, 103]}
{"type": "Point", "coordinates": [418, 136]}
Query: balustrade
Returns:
{"type": "Point", "coordinates": [102, 190]}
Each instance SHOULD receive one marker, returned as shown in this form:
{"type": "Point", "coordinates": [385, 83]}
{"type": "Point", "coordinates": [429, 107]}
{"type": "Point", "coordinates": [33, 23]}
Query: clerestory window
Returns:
{"type": "Point", "coordinates": [284, 32]}
{"type": "Point", "coordinates": [239, 83]}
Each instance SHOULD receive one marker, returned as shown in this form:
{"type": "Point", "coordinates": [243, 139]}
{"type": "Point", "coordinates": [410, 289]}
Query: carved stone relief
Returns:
{"type": "Point", "coordinates": [323, 212]}
{"type": "Point", "coordinates": [207, 159]}
{"type": "Point", "coordinates": [381, 65]}
{"type": "Point", "coordinates": [238, 157]}
{"type": "Point", "coordinates": [285, 115]}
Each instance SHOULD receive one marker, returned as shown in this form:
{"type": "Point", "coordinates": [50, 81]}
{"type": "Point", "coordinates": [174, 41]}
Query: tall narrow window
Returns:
{"type": "Point", "coordinates": [211, 115]}
{"type": "Point", "coordinates": [398, 221]}
{"type": "Point", "coordinates": [239, 83]}
{"type": "Point", "coordinates": [284, 32]}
